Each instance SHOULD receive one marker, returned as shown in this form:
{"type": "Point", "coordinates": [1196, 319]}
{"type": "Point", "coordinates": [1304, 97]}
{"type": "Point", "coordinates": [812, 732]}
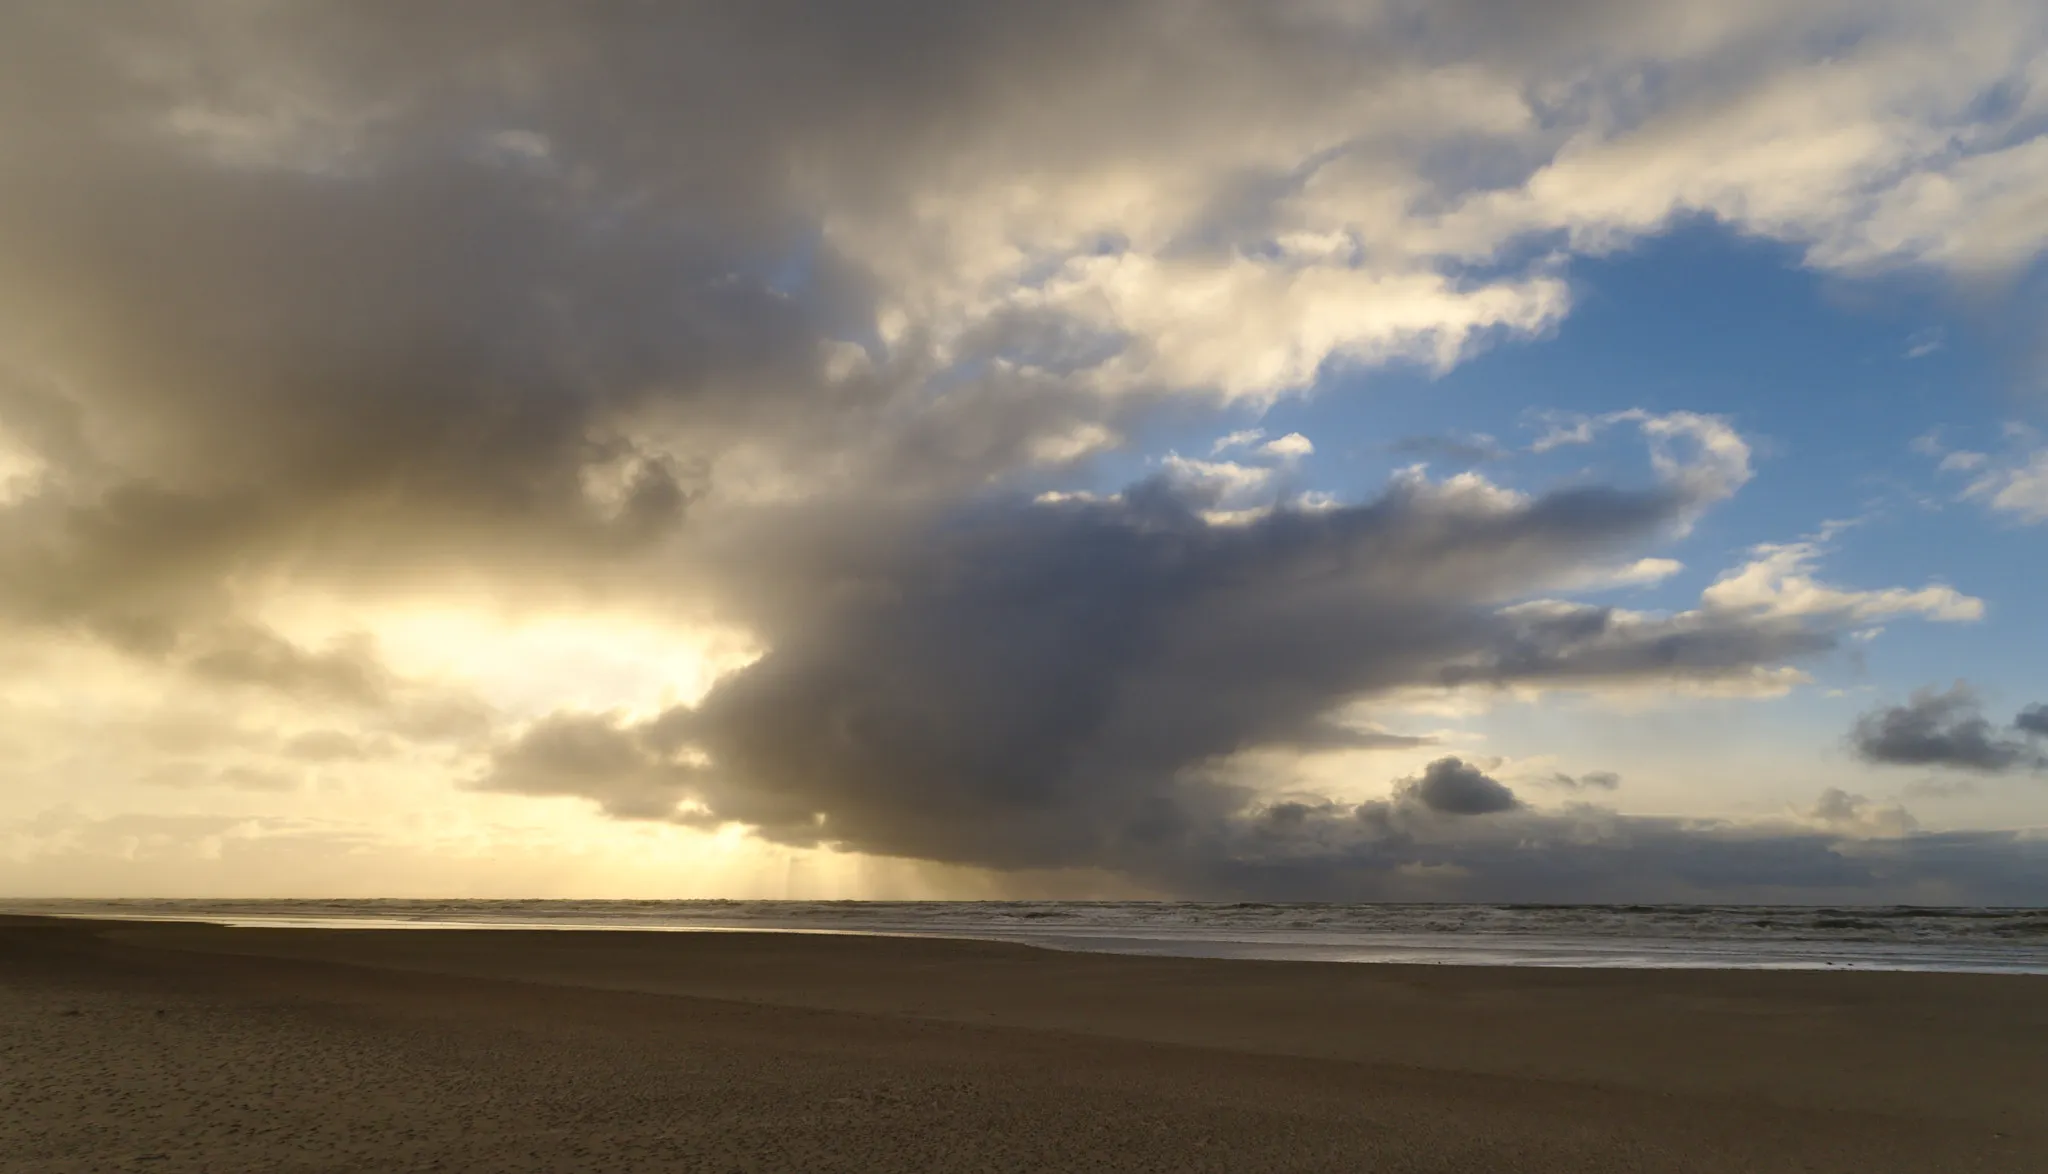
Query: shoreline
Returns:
{"type": "Point", "coordinates": [1280, 1065]}
{"type": "Point", "coordinates": [1535, 947]}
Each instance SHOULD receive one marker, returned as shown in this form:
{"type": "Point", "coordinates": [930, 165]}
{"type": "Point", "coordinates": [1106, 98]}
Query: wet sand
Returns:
{"type": "Point", "coordinates": [167, 1047]}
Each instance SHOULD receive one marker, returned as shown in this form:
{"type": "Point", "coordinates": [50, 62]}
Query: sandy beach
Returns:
{"type": "Point", "coordinates": [176, 1047]}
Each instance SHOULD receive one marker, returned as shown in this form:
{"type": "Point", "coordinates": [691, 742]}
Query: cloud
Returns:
{"type": "Point", "coordinates": [1243, 438]}
{"type": "Point", "coordinates": [1808, 154]}
{"type": "Point", "coordinates": [1475, 449]}
{"type": "Point", "coordinates": [1330, 733]}
{"type": "Point", "coordinates": [2033, 720]}
{"type": "Point", "coordinates": [2013, 482]}
{"type": "Point", "coordinates": [1718, 459]}
{"type": "Point", "coordinates": [1840, 810]}
{"type": "Point", "coordinates": [1946, 728]}
{"type": "Point", "coordinates": [1924, 343]}
{"type": "Point", "coordinates": [1565, 430]}
{"type": "Point", "coordinates": [1217, 483]}
{"type": "Point", "coordinates": [1452, 787]}
{"type": "Point", "coordinates": [349, 673]}
{"type": "Point", "coordinates": [2019, 488]}
{"type": "Point", "coordinates": [1595, 780]}
{"type": "Point", "coordinates": [1289, 447]}
{"type": "Point", "coordinates": [1645, 571]}
{"type": "Point", "coordinates": [1844, 850]}
{"type": "Point", "coordinates": [1776, 582]}
{"type": "Point", "coordinates": [595, 756]}
{"type": "Point", "coordinates": [1064, 684]}
{"type": "Point", "coordinates": [1948, 788]}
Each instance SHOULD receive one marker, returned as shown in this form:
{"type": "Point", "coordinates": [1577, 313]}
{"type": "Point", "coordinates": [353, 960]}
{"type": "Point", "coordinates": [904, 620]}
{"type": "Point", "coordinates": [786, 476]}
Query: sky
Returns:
{"type": "Point", "coordinates": [1317, 450]}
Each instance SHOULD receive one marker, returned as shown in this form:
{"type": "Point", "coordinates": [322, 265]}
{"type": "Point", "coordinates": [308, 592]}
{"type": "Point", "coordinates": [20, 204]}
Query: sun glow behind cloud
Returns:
{"type": "Point", "coordinates": [522, 664]}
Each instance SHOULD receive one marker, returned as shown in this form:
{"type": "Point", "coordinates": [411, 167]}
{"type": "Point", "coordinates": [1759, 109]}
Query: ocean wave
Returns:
{"type": "Point", "coordinates": [1893, 937]}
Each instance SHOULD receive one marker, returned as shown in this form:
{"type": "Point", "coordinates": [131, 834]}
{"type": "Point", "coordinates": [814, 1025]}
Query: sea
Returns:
{"type": "Point", "coordinates": [1983, 940]}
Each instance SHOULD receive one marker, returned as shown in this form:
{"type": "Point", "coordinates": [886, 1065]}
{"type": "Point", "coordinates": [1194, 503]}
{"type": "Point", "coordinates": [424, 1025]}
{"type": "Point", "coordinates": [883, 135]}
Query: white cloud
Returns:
{"type": "Point", "coordinates": [1775, 592]}
{"type": "Point", "coordinates": [1289, 447]}
{"type": "Point", "coordinates": [1235, 493]}
{"type": "Point", "coordinates": [1077, 442]}
{"type": "Point", "coordinates": [1252, 330]}
{"type": "Point", "coordinates": [2013, 482]}
{"type": "Point", "coordinates": [1881, 151]}
{"type": "Point", "coordinates": [1082, 496]}
{"type": "Point", "coordinates": [1885, 147]}
{"type": "Point", "coordinates": [1565, 430]}
{"type": "Point", "coordinates": [1643, 572]}
{"type": "Point", "coordinates": [1719, 461]}
{"type": "Point", "coordinates": [1464, 493]}
{"type": "Point", "coordinates": [1226, 482]}
{"type": "Point", "coordinates": [1925, 343]}
{"type": "Point", "coordinates": [2019, 489]}
{"type": "Point", "coordinates": [1243, 438]}
{"type": "Point", "coordinates": [1776, 582]}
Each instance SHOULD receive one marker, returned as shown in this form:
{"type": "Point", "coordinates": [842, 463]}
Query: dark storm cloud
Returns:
{"type": "Point", "coordinates": [1454, 841]}
{"type": "Point", "coordinates": [1454, 787]}
{"type": "Point", "coordinates": [1040, 684]}
{"type": "Point", "coordinates": [1945, 728]}
{"type": "Point", "coordinates": [1059, 684]}
{"type": "Point", "coordinates": [2033, 720]}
